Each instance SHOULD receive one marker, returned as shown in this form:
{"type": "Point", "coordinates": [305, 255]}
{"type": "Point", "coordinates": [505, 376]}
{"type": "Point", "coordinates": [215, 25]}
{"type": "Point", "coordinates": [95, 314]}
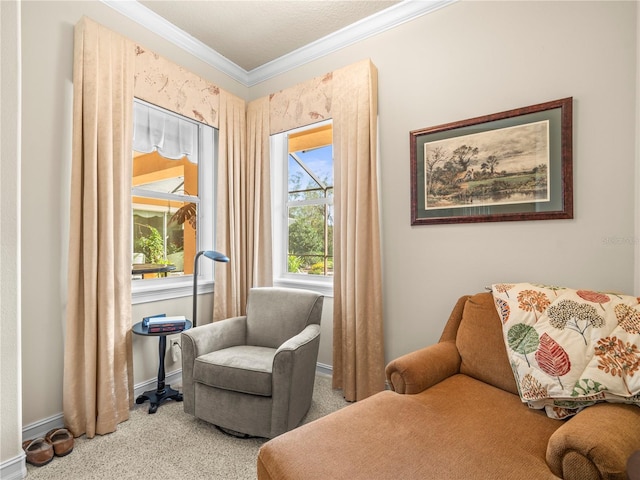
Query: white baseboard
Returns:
{"type": "Point", "coordinates": [324, 369]}
{"type": "Point", "coordinates": [15, 468]}
{"type": "Point", "coordinates": [174, 377]}
{"type": "Point", "coordinates": [41, 427]}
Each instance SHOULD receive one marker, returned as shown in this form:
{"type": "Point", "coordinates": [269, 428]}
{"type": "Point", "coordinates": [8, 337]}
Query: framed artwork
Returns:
{"type": "Point", "coordinates": [513, 165]}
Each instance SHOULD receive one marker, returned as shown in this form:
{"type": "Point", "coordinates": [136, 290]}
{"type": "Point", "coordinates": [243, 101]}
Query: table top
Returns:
{"type": "Point", "coordinates": [138, 268]}
{"type": "Point", "coordinates": [140, 329]}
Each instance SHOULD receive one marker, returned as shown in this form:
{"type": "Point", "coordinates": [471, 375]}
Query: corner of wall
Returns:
{"type": "Point", "coordinates": [637, 172]}
{"type": "Point", "coordinates": [12, 456]}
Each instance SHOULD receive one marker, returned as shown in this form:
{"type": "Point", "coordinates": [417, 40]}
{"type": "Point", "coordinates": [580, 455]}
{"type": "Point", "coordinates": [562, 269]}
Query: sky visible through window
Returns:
{"type": "Point", "coordinates": [318, 160]}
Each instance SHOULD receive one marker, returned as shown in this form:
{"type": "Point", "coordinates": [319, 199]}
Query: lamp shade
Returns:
{"type": "Point", "coordinates": [216, 256]}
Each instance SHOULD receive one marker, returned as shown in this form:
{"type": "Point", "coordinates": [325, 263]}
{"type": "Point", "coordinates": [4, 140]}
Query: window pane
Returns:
{"type": "Point", "coordinates": [164, 233]}
{"type": "Point", "coordinates": [301, 184]}
{"type": "Point", "coordinates": [155, 173]}
{"type": "Point", "coordinates": [310, 240]}
{"type": "Point", "coordinates": [320, 162]}
{"type": "Point", "coordinates": [310, 174]}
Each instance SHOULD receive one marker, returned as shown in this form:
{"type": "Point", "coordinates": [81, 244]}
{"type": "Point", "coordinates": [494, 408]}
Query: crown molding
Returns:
{"type": "Point", "coordinates": [384, 20]}
{"type": "Point", "coordinates": [152, 21]}
{"type": "Point", "coordinates": [367, 27]}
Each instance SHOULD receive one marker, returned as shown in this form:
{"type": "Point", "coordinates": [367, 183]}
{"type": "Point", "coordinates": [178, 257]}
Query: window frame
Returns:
{"type": "Point", "coordinates": [279, 145]}
{"type": "Point", "coordinates": [156, 289]}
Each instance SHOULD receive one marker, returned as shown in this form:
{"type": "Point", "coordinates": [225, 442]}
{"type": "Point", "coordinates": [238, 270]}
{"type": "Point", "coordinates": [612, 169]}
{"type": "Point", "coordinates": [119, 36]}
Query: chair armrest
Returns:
{"type": "Point", "coordinates": [294, 373]}
{"type": "Point", "coordinates": [205, 339]}
{"type": "Point", "coordinates": [419, 370]}
{"type": "Point", "coordinates": [305, 336]}
{"type": "Point", "coordinates": [596, 443]}
{"type": "Point", "coordinates": [299, 352]}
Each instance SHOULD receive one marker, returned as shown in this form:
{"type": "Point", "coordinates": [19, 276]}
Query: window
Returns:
{"type": "Point", "coordinates": [172, 201]}
{"type": "Point", "coordinates": [303, 207]}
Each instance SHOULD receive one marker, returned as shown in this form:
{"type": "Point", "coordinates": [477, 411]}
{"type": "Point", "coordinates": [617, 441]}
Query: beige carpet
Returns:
{"type": "Point", "coordinates": [171, 445]}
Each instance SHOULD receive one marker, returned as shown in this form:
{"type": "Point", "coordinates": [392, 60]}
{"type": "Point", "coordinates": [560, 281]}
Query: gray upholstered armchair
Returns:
{"type": "Point", "coordinates": [254, 374]}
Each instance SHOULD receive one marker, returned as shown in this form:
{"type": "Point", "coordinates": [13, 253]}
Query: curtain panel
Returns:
{"type": "Point", "coordinates": [358, 346]}
{"type": "Point", "coordinates": [98, 381]}
{"type": "Point", "coordinates": [260, 247]}
{"type": "Point", "coordinates": [231, 289]}
{"type": "Point", "coordinates": [243, 215]}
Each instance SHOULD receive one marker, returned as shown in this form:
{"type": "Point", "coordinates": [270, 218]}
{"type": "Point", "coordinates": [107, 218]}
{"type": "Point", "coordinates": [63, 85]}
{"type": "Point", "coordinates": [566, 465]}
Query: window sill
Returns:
{"type": "Point", "coordinates": [148, 291]}
{"type": "Point", "coordinates": [323, 287]}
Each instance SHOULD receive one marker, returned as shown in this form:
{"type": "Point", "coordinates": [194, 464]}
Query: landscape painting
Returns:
{"type": "Point", "coordinates": [503, 166]}
{"type": "Point", "coordinates": [508, 166]}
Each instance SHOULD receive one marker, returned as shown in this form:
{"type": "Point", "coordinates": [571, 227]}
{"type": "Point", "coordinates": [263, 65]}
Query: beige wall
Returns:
{"type": "Point", "coordinates": [442, 67]}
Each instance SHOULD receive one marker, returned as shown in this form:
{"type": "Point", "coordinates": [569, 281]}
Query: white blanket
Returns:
{"type": "Point", "coordinates": [570, 348]}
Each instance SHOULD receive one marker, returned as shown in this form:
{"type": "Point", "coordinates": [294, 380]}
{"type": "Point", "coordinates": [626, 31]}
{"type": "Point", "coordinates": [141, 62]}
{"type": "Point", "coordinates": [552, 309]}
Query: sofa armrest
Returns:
{"type": "Point", "coordinates": [205, 339]}
{"type": "Point", "coordinates": [419, 370]}
{"type": "Point", "coordinates": [596, 443]}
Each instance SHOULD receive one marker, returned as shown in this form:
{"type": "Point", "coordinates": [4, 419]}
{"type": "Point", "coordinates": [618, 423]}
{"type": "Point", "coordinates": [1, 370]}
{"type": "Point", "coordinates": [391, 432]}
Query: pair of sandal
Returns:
{"type": "Point", "coordinates": [40, 451]}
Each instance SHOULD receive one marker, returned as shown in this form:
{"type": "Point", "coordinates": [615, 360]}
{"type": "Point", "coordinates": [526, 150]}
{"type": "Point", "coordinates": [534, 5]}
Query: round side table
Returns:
{"type": "Point", "coordinates": [162, 392]}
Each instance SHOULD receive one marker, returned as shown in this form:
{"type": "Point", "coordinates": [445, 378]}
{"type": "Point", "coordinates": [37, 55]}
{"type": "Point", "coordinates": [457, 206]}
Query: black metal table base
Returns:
{"type": "Point", "coordinates": [158, 397]}
{"type": "Point", "coordinates": [162, 392]}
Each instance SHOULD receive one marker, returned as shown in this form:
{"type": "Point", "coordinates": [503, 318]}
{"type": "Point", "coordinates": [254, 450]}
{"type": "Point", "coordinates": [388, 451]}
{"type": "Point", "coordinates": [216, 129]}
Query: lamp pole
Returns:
{"type": "Point", "coordinates": [212, 255]}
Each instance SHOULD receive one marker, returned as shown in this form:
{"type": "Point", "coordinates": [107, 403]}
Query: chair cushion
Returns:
{"type": "Point", "coordinates": [243, 368]}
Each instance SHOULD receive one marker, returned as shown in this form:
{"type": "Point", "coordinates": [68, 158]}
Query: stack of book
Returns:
{"type": "Point", "coordinates": [164, 324]}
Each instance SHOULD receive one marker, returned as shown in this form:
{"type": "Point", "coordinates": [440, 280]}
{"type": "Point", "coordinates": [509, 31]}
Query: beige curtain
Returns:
{"type": "Point", "coordinates": [243, 217]}
{"type": "Point", "coordinates": [259, 246]}
{"type": "Point", "coordinates": [98, 384]}
{"type": "Point", "coordinates": [358, 347]}
{"type": "Point", "coordinates": [230, 291]}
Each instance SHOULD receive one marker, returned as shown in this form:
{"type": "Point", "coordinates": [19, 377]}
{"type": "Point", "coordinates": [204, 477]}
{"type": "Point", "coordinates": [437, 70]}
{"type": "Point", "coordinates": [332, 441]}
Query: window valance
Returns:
{"type": "Point", "coordinates": [171, 135]}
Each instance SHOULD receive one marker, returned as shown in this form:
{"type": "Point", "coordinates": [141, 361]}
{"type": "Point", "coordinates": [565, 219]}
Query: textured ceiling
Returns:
{"type": "Point", "coordinates": [252, 33]}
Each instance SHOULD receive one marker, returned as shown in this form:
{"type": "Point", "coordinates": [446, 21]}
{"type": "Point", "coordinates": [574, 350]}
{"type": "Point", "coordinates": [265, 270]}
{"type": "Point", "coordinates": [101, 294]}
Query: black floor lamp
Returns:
{"type": "Point", "coordinates": [216, 257]}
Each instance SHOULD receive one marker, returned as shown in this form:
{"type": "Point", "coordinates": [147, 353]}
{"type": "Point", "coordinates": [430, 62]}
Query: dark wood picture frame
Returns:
{"type": "Point", "coordinates": [508, 166]}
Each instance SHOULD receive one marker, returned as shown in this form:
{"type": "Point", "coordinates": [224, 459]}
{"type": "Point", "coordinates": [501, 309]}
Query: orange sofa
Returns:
{"type": "Point", "coordinates": [455, 413]}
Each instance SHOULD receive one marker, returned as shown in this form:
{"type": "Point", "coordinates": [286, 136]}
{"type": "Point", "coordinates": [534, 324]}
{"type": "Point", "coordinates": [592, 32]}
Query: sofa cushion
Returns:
{"type": "Point", "coordinates": [481, 345]}
{"type": "Point", "coordinates": [460, 428]}
{"type": "Point", "coordinates": [242, 369]}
